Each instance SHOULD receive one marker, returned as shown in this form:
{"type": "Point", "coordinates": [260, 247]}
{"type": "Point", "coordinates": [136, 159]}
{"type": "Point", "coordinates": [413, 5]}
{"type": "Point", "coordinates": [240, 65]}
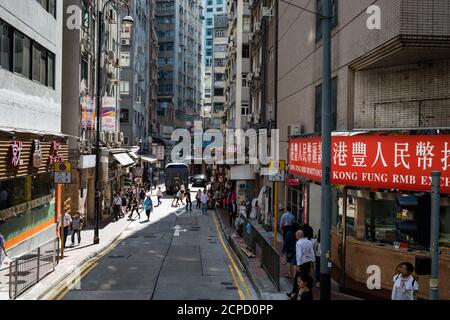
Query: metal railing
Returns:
{"type": "Point", "coordinates": [29, 268]}
{"type": "Point", "coordinates": [270, 259]}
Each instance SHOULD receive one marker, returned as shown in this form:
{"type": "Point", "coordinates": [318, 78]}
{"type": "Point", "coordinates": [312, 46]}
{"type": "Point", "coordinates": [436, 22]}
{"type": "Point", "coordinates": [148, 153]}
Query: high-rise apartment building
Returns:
{"type": "Point", "coordinates": [179, 31]}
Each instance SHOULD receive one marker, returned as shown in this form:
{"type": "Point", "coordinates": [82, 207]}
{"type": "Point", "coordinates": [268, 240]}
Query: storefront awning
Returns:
{"type": "Point", "coordinates": [123, 158]}
{"type": "Point", "coordinates": [149, 158]}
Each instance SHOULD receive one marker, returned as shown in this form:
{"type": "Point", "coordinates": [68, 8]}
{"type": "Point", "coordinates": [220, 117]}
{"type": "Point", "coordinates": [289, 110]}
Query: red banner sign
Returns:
{"type": "Point", "coordinates": [401, 162]}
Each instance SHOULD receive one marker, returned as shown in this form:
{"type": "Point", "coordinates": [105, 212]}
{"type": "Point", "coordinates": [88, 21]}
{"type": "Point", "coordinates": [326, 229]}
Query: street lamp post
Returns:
{"type": "Point", "coordinates": [325, 226]}
{"type": "Point", "coordinates": [127, 21]}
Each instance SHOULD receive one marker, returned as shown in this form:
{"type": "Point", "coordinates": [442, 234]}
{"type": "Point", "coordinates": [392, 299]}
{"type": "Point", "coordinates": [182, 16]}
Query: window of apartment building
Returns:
{"type": "Point", "coordinates": [49, 6]}
{"type": "Point", "coordinates": [219, 62]}
{"type": "Point", "coordinates": [220, 47]}
{"type": "Point", "coordinates": [219, 2]}
{"type": "Point", "coordinates": [209, 21]}
{"type": "Point", "coordinates": [244, 80]}
{"type": "Point", "coordinates": [5, 50]}
{"type": "Point", "coordinates": [209, 42]}
{"type": "Point", "coordinates": [318, 107]}
{"type": "Point", "coordinates": [209, 10]}
{"type": "Point", "coordinates": [218, 77]}
{"type": "Point", "coordinates": [334, 20]}
{"type": "Point", "coordinates": [168, 46]}
{"type": "Point", "coordinates": [124, 87]}
{"type": "Point", "coordinates": [124, 115]}
{"type": "Point", "coordinates": [246, 23]}
{"type": "Point", "coordinates": [21, 58]}
{"type": "Point", "coordinates": [208, 62]}
{"type": "Point", "coordinates": [125, 59]}
{"type": "Point", "coordinates": [219, 33]}
{"type": "Point", "coordinates": [209, 32]}
{"type": "Point", "coordinates": [218, 92]}
{"type": "Point", "coordinates": [209, 3]}
{"type": "Point", "coordinates": [39, 69]}
{"type": "Point", "coordinates": [165, 6]}
{"type": "Point", "coordinates": [209, 52]}
{"type": "Point", "coordinates": [245, 109]}
{"type": "Point", "coordinates": [245, 51]}
{"type": "Point", "coordinates": [85, 71]}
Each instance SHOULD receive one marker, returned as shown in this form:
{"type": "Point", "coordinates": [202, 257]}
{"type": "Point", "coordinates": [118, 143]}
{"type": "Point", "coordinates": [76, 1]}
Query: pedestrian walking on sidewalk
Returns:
{"type": "Point", "coordinates": [290, 251]}
{"type": "Point", "coordinates": [124, 199]}
{"type": "Point", "coordinates": [317, 253]}
{"type": "Point", "coordinates": [204, 199]}
{"type": "Point", "coordinates": [304, 258]}
{"type": "Point", "coordinates": [3, 253]}
{"type": "Point", "coordinates": [148, 206]}
{"type": "Point", "coordinates": [155, 181]}
{"type": "Point", "coordinates": [134, 207]}
{"type": "Point", "coordinates": [243, 209]}
{"type": "Point", "coordinates": [198, 197]}
{"type": "Point", "coordinates": [67, 222]}
{"type": "Point", "coordinates": [405, 286]}
{"type": "Point", "coordinates": [287, 219]}
{"type": "Point", "coordinates": [117, 206]}
{"type": "Point", "coordinates": [159, 195]}
{"type": "Point", "coordinates": [188, 200]}
{"type": "Point", "coordinates": [142, 197]}
{"type": "Point", "coordinates": [76, 225]}
{"type": "Point", "coordinates": [304, 283]}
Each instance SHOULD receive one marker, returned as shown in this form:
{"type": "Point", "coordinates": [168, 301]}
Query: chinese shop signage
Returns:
{"type": "Point", "coordinates": [37, 153]}
{"type": "Point", "coordinates": [15, 153]}
{"type": "Point", "coordinates": [389, 162]}
{"type": "Point", "coordinates": [54, 155]}
{"type": "Point", "coordinates": [22, 208]}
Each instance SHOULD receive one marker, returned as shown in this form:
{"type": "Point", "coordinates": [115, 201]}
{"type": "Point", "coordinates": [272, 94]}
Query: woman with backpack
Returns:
{"type": "Point", "coordinates": [405, 284]}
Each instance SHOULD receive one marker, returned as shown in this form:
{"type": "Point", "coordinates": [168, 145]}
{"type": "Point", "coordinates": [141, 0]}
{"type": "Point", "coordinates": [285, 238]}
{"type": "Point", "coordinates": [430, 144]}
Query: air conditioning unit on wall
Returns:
{"type": "Point", "coordinates": [295, 130]}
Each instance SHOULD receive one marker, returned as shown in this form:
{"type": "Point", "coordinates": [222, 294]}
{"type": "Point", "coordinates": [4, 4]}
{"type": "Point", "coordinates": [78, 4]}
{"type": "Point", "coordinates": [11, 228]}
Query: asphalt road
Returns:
{"type": "Point", "coordinates": [152, 262]}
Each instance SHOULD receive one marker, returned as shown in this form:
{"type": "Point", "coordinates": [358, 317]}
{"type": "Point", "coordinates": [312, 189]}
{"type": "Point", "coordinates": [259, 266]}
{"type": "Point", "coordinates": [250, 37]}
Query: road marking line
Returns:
{"type": "Point", "coordinates": [241, 295]}
{"type": "Point", "coordinates": [85, 269]}
{"type": "Point", "coordinates": [76, 281]}
{"type": "Point", "coordinates": [231, 258]}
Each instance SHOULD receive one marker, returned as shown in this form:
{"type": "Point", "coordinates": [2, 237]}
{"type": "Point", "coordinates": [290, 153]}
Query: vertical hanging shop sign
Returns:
{"type": "Point", "coordinates": [37, 153]}
{"type": "Point", "coordinates": [15, 153]}
{"type": "Point", "coordinates": [54, 155]}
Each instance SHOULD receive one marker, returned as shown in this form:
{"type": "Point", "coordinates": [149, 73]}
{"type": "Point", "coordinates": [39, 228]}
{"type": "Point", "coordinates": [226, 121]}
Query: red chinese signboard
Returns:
{"type": "Point", "coordinates": [389, 162]}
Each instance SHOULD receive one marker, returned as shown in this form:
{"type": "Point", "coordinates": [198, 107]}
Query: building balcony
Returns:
{"type": "Point", "coordinates": [414, 31]}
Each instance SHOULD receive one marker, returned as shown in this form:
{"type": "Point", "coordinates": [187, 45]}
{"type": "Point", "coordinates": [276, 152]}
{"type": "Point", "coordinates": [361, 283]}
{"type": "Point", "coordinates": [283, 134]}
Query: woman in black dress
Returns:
{"type": "Point", "coordinates": [305, 283]}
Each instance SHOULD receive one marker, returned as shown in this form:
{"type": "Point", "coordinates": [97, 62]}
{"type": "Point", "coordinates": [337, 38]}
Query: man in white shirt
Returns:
{"type": "Point", "coordinates": [117, 204]}
{"type": "Point", "coordinates": [204, 200]}
{"type": "Point", "coordinates": [67, 222]}
{"type": "Point", "coordinates": [304, 253]}
{"type": "Point", "coordinates": [405, 285]}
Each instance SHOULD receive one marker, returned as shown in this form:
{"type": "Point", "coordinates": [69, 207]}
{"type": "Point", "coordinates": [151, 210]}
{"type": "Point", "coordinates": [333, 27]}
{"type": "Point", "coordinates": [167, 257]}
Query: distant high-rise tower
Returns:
{"type": "Point", "coordinates": [179, 31]}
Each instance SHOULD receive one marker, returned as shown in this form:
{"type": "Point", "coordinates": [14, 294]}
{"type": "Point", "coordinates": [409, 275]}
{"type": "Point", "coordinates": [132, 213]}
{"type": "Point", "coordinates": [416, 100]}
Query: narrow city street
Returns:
{"type": "Point", "coordinates": [157, 260]}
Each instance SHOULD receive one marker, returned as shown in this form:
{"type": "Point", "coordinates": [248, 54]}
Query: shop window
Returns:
{"type": "Point", "coordinates": [405, 219]}
{"type": "Point", "coordinates": [350, 217]}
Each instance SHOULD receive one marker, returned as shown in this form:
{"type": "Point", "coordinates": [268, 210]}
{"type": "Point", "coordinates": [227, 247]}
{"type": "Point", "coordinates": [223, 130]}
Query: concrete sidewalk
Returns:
{"type": "Point", "coordinates": [258, 276]}
{"type": "Point", "coordinates": [74, 257]}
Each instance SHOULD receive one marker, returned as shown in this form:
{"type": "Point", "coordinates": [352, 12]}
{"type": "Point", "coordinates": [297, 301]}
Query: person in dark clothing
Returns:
{"type": "Point", "coordinates": [304, 283]}
{"type": "Point", "coordinates": [188, 200]}
{"type": "Point", "coordinates": [289, 249]}
{"type": "Point", "coordinates": [135, 207]}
